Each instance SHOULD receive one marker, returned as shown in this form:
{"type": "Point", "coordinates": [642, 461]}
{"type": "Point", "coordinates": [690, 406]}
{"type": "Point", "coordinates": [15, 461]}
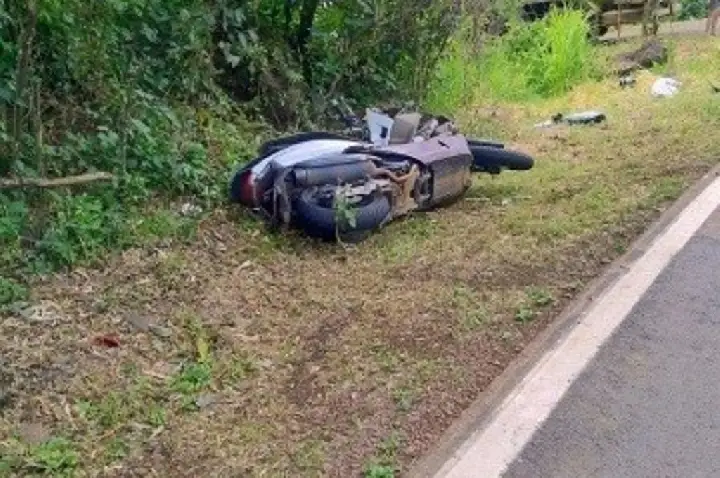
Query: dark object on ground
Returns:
{"type": "Point", "coordinates": [627, 81]}
{"type": "Point", "coordinates": [339, 187]}
{"type": "Point", "coordinates": [584, 117]}
{"type": "Point", "coordinates": [715, 86]}
{"type": "Point", "coordinates": [493, 159]}
{"type": "Point", "coordinates": [6, 382]}
{"type": "Point", "coordinates": [651, 53]}
{"type": "Point", "coordinates": [107, 340]}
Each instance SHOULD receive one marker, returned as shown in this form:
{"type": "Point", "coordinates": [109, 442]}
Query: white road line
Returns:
{"type": "Point", "coordinates": [488, 452]}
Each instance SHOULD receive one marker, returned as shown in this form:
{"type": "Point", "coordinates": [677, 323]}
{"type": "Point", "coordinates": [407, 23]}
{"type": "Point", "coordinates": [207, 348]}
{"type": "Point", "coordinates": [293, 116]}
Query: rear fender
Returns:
{"type": "Point", "coordinates": [252, 180]}
{"type": "Point", "coordinates": [274, 145]}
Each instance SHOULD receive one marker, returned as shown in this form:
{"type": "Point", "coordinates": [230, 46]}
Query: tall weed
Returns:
{"type": "Point", "coordinates": [562, 55]}
{"type": "Point", "coordinates": [540, 59]}
{"type": "Point", "coordinates": [457, 75]}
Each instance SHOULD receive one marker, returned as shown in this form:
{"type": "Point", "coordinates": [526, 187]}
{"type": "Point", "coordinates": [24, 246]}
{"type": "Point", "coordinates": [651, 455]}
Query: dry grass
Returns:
{"type": "Point", "coordinates": [245, 354]}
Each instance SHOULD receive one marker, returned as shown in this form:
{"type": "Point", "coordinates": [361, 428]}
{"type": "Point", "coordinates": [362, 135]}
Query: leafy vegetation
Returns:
{"type": "Point", "coordinates": [383, 464]}
{"type": "Point", "coordinates": [55, 457]}
{"type": "Point", "coordinates": [690, 9]}
{"type": "Point", "coordinates": [168, 96]}
{"type": "Point", "coordinates": [545, 58]}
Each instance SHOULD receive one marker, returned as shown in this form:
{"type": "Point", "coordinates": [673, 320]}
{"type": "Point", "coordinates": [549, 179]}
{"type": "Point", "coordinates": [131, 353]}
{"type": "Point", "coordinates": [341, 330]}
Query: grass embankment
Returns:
{"type": "Point", "coordinates": [243, 354]}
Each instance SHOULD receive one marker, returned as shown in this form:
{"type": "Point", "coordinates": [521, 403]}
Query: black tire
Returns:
{"type": "Point", "coordinates": [493, 160]}
{"type": "Point", "coordinates": [316, 216]}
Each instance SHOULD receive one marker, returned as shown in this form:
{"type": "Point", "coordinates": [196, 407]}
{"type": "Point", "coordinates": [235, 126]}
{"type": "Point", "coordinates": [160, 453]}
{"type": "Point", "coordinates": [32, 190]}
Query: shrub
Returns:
{"type": "Point", "coordinates": [690, 9]}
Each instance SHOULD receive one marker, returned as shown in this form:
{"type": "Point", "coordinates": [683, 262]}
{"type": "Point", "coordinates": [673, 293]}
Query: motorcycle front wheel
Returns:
{"type": "Point", "coordinates": [318, 218]}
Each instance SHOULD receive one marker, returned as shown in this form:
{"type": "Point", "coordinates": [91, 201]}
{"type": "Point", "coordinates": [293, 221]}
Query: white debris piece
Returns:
{"type": "Point", "coordinates": [190, 209]}
{"type": "Point", "coordinates": [664, 87]}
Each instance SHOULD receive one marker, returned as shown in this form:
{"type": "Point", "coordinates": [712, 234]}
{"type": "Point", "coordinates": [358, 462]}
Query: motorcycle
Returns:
{"type": "Point", "coordinates": [344, 186]}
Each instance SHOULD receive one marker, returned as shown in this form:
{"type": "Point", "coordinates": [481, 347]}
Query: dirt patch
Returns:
{"type": "Point", "coordinates": [305, 382]}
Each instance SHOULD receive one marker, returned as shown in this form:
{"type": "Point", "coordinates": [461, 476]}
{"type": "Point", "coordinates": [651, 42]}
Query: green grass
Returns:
{"type": "Point", "coordinates": [542, 59]}
{"type": "Point", "coordinates": [139, 402]}
{"type": "Point", "coordinates": [56, 457]}
{"type": "Point", "coordinates": [383, 463]}
{"type": "Point", "coordinates": [470, 307]}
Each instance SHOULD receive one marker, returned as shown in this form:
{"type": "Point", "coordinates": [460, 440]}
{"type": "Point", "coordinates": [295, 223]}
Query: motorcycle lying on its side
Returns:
{"type": "Point", "coordinates": [345, 186]}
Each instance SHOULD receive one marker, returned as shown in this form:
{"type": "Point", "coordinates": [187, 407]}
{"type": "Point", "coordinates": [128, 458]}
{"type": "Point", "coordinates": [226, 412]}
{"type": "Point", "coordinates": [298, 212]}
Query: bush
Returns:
{"type": "Point", "coordinates": [690, 9]}
{"type": "Point", "coordinates": [170, 95]}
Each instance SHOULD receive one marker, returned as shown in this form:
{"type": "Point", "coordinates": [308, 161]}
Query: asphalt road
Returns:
{"type": "Point", "coordinates": [648, 404]}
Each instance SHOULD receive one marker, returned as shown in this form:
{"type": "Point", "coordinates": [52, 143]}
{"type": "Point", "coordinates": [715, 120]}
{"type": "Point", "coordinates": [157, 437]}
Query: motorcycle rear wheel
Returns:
{"type": "Point", "coordinates": [491, 159]}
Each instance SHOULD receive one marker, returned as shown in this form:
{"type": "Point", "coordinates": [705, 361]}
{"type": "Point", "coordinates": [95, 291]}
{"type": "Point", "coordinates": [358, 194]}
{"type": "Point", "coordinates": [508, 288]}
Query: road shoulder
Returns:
{"type": "Point", "coordinates": [483, 411]}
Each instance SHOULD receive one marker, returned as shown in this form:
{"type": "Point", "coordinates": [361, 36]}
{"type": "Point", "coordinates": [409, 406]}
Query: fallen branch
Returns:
{"type": "Point", "coordinates": [53, 183]}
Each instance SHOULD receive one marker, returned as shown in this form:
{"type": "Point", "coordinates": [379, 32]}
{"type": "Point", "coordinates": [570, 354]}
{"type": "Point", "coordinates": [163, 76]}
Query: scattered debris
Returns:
{"type": "Point", "coordinates": [627, 81]}
{"type": "Point", "coordinates": [664, 87]}
{"type": "Point", "coordinates": [190, 209]}
{"type": "Point", "coordinates": [651, 53]}
{"type": "Point", "coordinates": [107, 340]}
{"type": "Point", "coordinates": [585, 117]}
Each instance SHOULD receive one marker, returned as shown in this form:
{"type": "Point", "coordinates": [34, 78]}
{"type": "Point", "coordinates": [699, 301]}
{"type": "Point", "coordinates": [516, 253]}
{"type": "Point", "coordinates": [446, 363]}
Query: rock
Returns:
{"type": "Point", "coordinates": [651, 53]}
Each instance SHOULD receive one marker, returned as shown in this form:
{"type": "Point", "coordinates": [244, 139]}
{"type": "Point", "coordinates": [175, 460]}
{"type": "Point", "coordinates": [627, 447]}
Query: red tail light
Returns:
{"type": "Point", "coordinates": [248, 194]}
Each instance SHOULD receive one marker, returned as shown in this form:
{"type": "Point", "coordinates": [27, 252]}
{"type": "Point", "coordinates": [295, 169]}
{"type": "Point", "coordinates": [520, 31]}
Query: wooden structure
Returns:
{"type": "Point", "coordinates": [606, 14]}
{"type": "Point", "coordinates": [615, 13]}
